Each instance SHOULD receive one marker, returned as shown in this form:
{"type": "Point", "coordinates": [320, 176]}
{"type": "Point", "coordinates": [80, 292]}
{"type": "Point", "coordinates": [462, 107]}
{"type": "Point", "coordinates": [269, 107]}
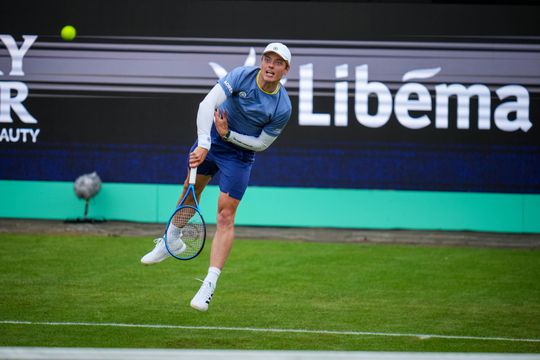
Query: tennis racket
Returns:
{"type": "Point", "coordinates": [189, 219]}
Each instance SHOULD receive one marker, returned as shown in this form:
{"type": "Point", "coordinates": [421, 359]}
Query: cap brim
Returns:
{"type": "Point", "coordinates": [278, 54]}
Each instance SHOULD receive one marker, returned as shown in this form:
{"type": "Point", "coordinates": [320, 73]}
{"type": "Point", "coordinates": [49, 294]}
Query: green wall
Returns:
{"type": "Point", "coordinates": [297, 207]}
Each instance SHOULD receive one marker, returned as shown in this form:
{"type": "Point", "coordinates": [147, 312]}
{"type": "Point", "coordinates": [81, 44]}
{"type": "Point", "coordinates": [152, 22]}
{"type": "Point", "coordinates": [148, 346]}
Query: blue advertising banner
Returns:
{"type": "Point", "coordinates": [437, 113]}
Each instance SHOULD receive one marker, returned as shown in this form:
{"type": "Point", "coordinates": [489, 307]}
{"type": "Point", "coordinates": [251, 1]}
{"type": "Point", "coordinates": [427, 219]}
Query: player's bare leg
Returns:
{"type": "Point", "coordinates": [221, 248]}
{"type": "Point", "coordinates": [223, 239]}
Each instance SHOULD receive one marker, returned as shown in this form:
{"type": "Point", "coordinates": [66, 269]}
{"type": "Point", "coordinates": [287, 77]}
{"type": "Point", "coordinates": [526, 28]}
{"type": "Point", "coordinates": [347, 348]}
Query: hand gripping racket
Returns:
{"type": "Point", "coordinates": [189, 219]}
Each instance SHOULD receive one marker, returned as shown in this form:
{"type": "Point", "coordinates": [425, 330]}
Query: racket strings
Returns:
{"type": "Point", "coordinates": [193, 231]}
{"type": "Point", "coordinates": [182, 217]}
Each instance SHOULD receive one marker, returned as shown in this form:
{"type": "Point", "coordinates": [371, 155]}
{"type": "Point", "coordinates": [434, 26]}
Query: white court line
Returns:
{"type": "Point", "coordinates": [42, 353]}
{"type": "Point", "coordinates": [269, 330]}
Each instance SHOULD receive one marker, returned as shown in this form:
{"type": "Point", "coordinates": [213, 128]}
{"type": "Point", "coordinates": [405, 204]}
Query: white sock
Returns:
{"type": "Point", "coordinates": [173, 232]}
{"type": "Point", "coordinates": [213, 275]}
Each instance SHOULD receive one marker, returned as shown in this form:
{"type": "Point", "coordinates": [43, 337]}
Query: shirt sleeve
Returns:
{"type": "Point", "coordinates": [205, 115]}
{"type": "Point", "coordinates": [260, 143]}
{"type": "Point", "coordinates": [229, 82]}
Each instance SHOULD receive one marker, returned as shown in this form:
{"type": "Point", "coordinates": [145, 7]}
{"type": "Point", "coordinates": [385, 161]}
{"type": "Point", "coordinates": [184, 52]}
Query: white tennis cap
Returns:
{"type": "Point", "coordinates": [279, 49]}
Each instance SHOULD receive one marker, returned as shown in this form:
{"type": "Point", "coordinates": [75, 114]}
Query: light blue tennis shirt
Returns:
{"type": "Point", "coordinates": [251, 110]}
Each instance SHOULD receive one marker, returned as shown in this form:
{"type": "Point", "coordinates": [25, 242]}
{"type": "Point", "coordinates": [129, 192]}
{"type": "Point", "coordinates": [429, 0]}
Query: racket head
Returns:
{"type": "Point", "coordinates": [190, 220]}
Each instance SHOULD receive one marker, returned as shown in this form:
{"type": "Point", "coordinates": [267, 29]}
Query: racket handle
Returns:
{"type": "Point", "coordinates": [192, 175]}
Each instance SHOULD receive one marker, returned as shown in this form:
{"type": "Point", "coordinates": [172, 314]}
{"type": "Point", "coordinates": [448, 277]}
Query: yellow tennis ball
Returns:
{"type": "Point", "coordinates": [68, 33]}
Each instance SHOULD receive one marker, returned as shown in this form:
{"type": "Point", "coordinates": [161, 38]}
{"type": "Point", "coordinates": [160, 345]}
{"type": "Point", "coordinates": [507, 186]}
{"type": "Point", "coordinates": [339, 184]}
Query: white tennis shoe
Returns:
{"type": "Point", "coordinates": [201, 300]}
{"type": "Point", "coordinates": [160, 253]}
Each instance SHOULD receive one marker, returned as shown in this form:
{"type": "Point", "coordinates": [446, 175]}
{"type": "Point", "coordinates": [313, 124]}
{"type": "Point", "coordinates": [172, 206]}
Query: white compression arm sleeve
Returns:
{"type": "Point", "coordinates": [253, 143]}
{"type": "Point", "coordinates": [205, 115]}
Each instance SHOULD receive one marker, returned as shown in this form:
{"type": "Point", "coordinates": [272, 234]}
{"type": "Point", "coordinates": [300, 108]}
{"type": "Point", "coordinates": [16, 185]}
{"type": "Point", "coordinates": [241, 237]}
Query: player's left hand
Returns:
{"type": "Point", "coordinates": [220, 119]}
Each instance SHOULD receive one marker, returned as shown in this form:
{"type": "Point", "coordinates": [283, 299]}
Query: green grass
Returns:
{"type": "Point", "coordinates": [270, 284]}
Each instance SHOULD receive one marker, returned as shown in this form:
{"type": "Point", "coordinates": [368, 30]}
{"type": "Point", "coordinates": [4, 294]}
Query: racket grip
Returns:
{"type": "Point", "coordinates": [192, 175]}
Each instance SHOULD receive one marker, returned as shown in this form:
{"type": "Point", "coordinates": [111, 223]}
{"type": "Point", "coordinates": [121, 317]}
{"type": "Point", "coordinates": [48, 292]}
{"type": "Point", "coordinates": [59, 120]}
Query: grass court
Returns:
{"type": "Point", "coordinates": [373, 297]}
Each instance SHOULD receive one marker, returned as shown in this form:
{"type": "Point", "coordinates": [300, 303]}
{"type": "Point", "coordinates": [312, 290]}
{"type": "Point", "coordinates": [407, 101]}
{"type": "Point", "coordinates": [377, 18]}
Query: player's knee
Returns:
{"type": "Point", "coordinates": [225, 217]}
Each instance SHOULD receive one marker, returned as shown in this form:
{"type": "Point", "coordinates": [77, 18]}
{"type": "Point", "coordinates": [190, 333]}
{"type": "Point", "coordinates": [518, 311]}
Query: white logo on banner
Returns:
{"type": "Point", "coordinates": [511, 114]}
{"type": "Point", "coordinates": [14, 93]}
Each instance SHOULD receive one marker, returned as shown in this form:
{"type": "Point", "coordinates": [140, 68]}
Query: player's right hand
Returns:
{"type": "Point", "coordinates": [220, 119]}
{"type": "Point", "coordinates": [197, 157]}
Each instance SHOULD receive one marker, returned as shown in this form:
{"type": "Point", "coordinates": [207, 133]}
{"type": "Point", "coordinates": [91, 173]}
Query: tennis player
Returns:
{"type": "Point", "coordinates": [243, 113]}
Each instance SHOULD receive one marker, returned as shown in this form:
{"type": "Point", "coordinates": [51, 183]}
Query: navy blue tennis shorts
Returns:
{"type": "Point", "coordinates": [234, 167]}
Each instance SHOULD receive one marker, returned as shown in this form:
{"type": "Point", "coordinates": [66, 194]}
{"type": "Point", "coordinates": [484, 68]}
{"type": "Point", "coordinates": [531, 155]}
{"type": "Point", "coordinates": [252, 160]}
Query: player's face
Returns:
{"type": "Point", "coordinates": [273, 67]}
